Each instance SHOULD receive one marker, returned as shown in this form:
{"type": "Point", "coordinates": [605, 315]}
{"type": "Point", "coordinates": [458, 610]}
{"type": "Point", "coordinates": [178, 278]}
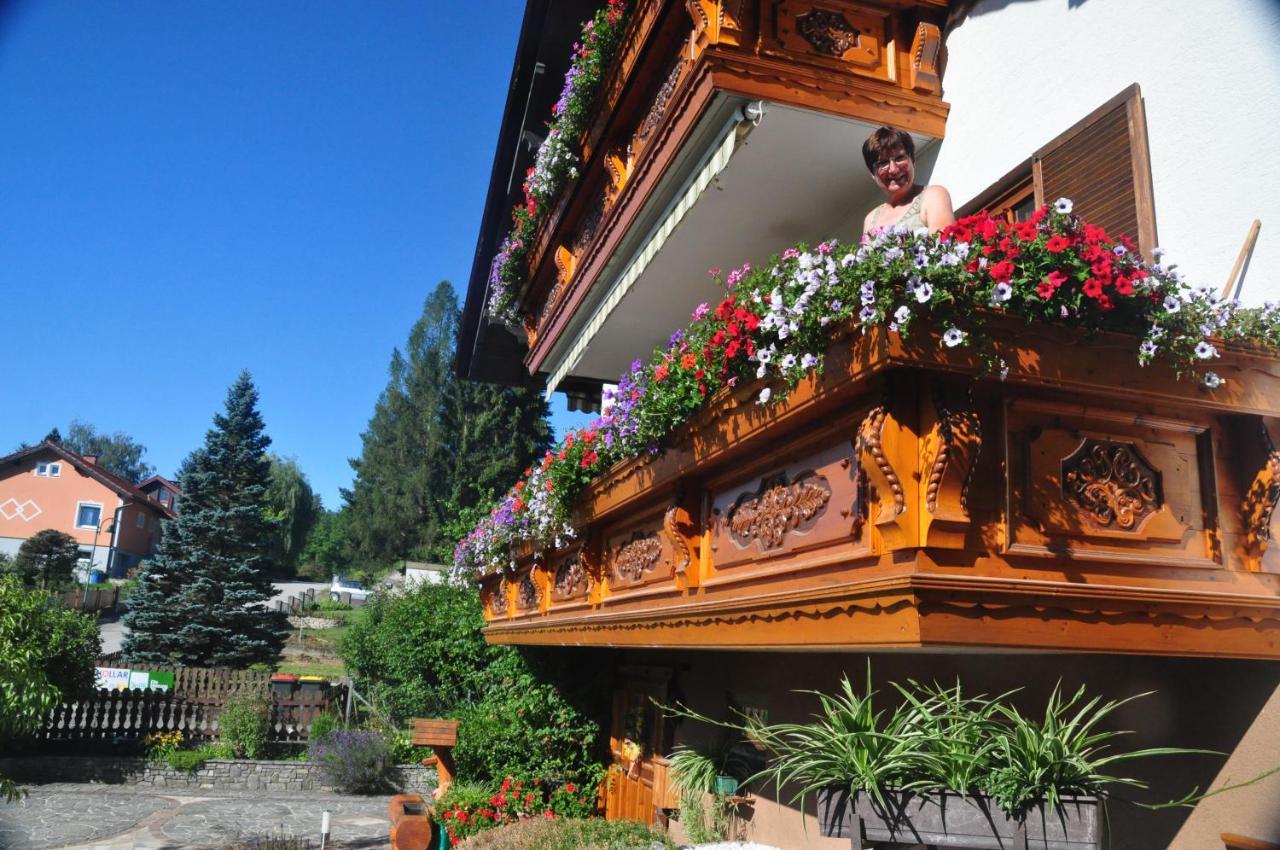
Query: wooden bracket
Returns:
{"type": "Point", "coordinates": [949, 451]}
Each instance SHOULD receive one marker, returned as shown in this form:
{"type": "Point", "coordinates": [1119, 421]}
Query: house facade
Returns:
{"type": "Point", "coordinates": [161, 490]}
{"type": "Point", "coordinates": [116, 524]}
{"type": "Point", "coordinates": [907, 507]}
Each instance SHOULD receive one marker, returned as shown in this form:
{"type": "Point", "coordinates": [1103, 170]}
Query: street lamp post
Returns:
{"type": "Point", "coordinates": [93, 553]}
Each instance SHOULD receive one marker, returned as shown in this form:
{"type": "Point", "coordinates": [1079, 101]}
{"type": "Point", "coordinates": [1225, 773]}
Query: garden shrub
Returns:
{"type": "Point", "coordinates": [192, 760]}
{"type": "Point", "coordinates": [322, 727]}
{"type": "Point", "coordinates": [243, 725]}
{"type": "Point", "coordinates": [355, 761]}
{"type": "Point", "coordinates": [569, 834]}
{"type": "Point", "coordinates": [422, 654]}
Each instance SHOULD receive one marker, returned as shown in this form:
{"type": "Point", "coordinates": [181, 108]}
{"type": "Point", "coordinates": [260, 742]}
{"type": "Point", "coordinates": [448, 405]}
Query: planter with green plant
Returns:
{"type": "Point", "coordinates": [695, 775]}
{"type": "Point", "coordinates": [950, 770]}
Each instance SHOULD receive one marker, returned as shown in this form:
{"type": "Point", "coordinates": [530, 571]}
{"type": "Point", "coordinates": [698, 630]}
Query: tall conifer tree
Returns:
{"type": "Point", "coordinates": [202, 601]}
{"type": "Point", "coordinates": [436, 445]}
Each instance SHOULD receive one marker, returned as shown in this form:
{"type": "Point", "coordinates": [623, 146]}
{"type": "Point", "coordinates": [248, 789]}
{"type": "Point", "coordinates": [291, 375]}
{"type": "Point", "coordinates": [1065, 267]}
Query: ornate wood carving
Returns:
{"type": "Point", "coordinates": [1263, 495]}
{"type": "Point", "coordinates": [829, 32]}
{"type": "Point", "coordinates": [660, 103]}
{"type": "Point", "coordinates": [683, 533]}
{"type": "Point", "coordinates": [1112, 483]}
{"type": "Point", "coordinates": [926, 49]}
{"type": "Point", "coordinates": [885, 483]}
{"type": "Point", "coordinates": [637, 558]}
{"type": "Point", "coordinates": [776, 509]}
{"type": "Point", "coordinates": [565, 262]}
{"type": "Point", "coordinates": [618, 164]}
{"type": "Point", "coordinates": [590, 223]}
{"type": "Point", "coordinates": [571, 579]}
{"type": "Point", "coordinates": [527, 592]}
{"type": "Point", "coordinates": [498, 600]}
{"type": "Point", "coordinates": [950, 449]}
{"type": "Point", "coordinates": [715, 22]}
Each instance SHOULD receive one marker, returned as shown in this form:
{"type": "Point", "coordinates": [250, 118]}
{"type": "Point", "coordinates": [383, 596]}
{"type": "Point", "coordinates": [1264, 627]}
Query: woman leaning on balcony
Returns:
{"type": "Point", "coordinates": [891, 158]}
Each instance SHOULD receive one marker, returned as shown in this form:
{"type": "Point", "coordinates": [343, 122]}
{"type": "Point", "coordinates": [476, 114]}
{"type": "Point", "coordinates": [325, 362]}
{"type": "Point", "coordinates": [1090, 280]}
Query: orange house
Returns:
{"type": "Point", "coordinates": [46, 486]}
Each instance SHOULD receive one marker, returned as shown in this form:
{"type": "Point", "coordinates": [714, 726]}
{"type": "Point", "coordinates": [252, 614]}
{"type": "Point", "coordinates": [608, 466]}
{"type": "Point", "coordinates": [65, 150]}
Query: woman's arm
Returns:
{"type": "Point", "coordinates": [938, 212]}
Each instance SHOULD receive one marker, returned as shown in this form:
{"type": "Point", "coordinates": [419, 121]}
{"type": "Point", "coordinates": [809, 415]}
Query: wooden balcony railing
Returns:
{"type": "Point", "coordinates": [905, 498]}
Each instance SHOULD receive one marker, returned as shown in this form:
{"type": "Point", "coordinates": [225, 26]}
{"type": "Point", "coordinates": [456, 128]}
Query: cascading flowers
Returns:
{"type": "Point", "coordinates": [775, 322]}
{"type": "Point", "coordinates": [556, 162]}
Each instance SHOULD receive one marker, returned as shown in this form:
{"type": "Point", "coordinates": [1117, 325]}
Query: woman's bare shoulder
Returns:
{"type": "Point", "coordinates": [936, 192]}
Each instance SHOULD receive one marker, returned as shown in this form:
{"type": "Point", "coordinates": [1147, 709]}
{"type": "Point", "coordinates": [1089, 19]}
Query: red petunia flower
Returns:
{"type": "Point", "coordinates": [1057, 278]}
{"type": "Point", "coordinates": [1045, 289]}
{"type": "Point", "coordinates": [1124, 286]}
{"type": "Point", "coordinates": [1001, 271]}
{"type": "Point", "coordinates": [1092, 287]}
{"type": "Point", "coordinates": [1057, 244]}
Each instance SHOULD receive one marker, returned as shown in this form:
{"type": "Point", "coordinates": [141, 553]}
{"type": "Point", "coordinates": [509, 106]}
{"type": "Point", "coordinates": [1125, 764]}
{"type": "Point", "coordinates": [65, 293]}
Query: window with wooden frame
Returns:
{"type": "Point", "coordinates": [1101, 163]}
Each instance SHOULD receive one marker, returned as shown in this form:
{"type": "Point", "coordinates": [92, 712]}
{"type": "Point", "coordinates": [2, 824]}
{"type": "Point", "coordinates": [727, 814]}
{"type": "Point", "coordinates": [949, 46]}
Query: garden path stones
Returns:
{"type": "Point", "coordinates": [86, 817]}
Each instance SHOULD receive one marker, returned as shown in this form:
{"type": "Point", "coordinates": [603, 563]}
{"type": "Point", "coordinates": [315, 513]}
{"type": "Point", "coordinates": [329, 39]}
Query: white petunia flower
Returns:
{"type": "Point", "coordinates": [1172, 304]}
{"type": "Point", "coordinates": [764, 395]}
{"type": "Point", "coordinates": [923, 292]}
{"type": "Point", "coordinates": [760, 373]}
{"type": "Point", "coordinates": [1001, 293]}
{"type": "Point", "coordinates": [902, 314]}
{"type": "Point", "coordinates": [867, 314]}
{"type": "Point", "coordinates": [1213, 380]}
{"type": "Point", "coordinates": [789, 361]}
{"type": "Point", "coordinates": [764, 355]}
{"type": "Point", "coordinates": [808, 361]}
{"type": "Point", "coordinates": [1205, 350]}
{"type": "Point", "coordinates": [953, 337]}
{"type": "Point", "coordinates": [1063, 205]}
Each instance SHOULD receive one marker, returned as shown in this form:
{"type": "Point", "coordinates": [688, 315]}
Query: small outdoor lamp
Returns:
{"type": "Point", "coordinates": [324, 828]}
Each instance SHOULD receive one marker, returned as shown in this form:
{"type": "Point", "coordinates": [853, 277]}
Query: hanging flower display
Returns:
{"type": "Point", "coordinates": [774, 325]}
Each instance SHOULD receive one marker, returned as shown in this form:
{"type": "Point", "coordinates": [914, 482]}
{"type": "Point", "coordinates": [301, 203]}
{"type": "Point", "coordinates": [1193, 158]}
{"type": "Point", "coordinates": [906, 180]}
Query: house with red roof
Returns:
{"type": "Point", "coordinates": [116, 523]}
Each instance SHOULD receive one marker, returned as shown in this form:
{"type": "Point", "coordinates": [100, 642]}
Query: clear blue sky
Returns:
{"type": "Point", "coordinates": [189, 189]}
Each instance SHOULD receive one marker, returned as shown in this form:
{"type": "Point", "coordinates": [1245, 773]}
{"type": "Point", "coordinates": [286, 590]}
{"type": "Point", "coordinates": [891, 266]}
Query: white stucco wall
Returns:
{"type": "Point", "coordinates": [1022, 71]}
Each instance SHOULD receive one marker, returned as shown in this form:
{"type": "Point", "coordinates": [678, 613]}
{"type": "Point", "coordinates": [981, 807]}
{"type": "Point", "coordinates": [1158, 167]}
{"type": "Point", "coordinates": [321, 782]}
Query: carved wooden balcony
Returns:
{"type": "Point", "coordinates": [907, 499]}
{"type": "Point", "coordinates": [675, 68]}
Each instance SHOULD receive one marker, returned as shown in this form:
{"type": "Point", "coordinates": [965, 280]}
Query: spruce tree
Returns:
{"type": "Point", "coordinates": [202, 601]}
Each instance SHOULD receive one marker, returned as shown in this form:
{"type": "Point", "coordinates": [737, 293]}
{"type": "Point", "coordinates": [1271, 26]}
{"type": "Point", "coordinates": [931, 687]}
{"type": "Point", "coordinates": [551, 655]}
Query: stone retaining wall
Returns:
{"type": "Point", "coordinates": [215, 774]}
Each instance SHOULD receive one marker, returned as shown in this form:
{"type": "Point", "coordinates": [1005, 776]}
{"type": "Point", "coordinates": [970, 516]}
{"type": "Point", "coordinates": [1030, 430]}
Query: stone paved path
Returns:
{"type": "Point", "coordinates": [91, 817]}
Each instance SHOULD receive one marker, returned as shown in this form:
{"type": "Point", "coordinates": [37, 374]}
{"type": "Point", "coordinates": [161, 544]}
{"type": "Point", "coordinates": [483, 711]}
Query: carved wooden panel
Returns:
{"type": "Point", "coordinates": [570, 579]}
{"type": "Point", "coordinates": [1109, 485]}
{"type": "Point", "coordinates": [811, 502]}
{"type": "Point", "coordinates": [495, 599]}
{"type": "Point", "coordinates": [527, 590]}
{"type": "Point", "coordinates": [658, 108]}
{"type": "Point", "coordinates": [639, 553]}
{"type": "Point", "coordinates": [834, 33]}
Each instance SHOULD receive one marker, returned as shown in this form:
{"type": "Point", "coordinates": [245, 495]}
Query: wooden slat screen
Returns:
{"type": "Point", "coordinates": [1102, 165]}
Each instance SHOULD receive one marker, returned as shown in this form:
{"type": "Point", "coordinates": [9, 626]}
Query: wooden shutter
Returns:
{"type": "Point", "coordinates": [1102, 164]}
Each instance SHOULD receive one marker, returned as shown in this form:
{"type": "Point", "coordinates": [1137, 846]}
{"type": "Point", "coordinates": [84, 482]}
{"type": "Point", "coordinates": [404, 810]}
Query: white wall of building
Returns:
{"type": "Point", "coordinates": [1022, 71]}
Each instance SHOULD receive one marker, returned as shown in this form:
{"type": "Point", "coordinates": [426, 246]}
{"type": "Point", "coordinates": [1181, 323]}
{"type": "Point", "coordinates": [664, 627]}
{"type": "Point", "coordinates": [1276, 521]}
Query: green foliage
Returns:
{"type": "Point", "coordinates": [354, 761]}
{"type": "Point", "coordinates": [422, 654]}
{"type": "Point", "coordinates": [693, 776]}
{"type": "Point", "coordinates": [117, 453]}
{"type": "Point", "coordinates": [1063, 754]}
{"type": "Point", "coordinates": [569, 834]}
{"type": "Point", "coordinates": [322, 727]}
{"type": "Point", "coordinates": [201, 600]}
{"type": "Point", "coordinates": [242, 725]}
{"type": "Point", "coordinates": [436, 445]}
{"type": "Point", "coordinates": [193, 760]}
{"type": "Point", "coordinates": [47, 559]}
{"type": "Point", "coordinates": [47, 655]}
{"type": "Point", "coordinates": [329, 605]}
{"type": "Point", "coordinates": [938, 738]}
{"type": "Point", "coordinates": [292, 510]}
{"type": "Point", "coordinates": [326, 551]}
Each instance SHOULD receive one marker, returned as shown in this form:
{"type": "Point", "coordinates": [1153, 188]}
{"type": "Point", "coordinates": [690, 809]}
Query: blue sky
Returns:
{"type": "Point", "coordinates": [194, 188]}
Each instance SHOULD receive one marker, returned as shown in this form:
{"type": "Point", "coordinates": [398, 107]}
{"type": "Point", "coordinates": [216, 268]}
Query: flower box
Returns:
{"type": "Point", "coordinates": [956, 820]}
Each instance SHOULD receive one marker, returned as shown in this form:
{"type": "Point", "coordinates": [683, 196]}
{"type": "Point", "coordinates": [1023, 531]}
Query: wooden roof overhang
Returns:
{"type": "Point", "coordinates": [879, 62]}
{"type": "Point", "coordinates": [906, 499]}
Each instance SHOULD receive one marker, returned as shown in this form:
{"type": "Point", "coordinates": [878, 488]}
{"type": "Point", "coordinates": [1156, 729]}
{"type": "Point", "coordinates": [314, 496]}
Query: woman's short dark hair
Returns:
{"type": "Point", "coordinates": [883, 142]}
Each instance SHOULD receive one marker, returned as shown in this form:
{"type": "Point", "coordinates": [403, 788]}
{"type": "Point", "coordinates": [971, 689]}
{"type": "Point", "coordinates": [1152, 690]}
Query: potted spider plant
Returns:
{"type": "Point", "coordinates": [695, 774]}
{"type": "Point", "coordinates": [950, 770]}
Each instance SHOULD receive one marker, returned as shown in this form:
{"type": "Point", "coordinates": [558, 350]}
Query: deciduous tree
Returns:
{"type": "Point", "coordinates": [117, 453]}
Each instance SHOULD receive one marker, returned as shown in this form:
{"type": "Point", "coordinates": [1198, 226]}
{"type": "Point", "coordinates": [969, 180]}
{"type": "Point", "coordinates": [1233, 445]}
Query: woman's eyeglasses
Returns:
{"type": "Point", "coordinates": [900, 160]}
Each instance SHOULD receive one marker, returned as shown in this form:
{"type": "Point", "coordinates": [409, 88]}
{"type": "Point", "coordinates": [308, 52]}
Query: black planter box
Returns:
{"type": "Point", "coordinates": [957, 820]}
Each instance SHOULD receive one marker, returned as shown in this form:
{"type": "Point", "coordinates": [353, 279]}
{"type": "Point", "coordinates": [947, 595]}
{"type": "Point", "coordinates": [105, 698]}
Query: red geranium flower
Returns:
{"type": "Point", "coordinates": [660, 374]}
{"type": "Point", "coordinates": [688, 361]}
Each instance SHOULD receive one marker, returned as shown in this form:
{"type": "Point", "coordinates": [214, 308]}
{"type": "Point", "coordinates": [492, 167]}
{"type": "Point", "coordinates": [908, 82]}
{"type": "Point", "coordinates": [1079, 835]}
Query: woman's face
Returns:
{"type": "Point", "coordinates": [895, 173]}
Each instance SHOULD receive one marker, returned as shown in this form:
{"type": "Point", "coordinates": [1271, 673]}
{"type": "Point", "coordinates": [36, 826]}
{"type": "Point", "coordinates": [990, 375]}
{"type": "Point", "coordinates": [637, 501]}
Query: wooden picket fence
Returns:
{"type": "Point", "coordinates": [211, 685]}
{"type": "Point", "coordinates": [124, 715]}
